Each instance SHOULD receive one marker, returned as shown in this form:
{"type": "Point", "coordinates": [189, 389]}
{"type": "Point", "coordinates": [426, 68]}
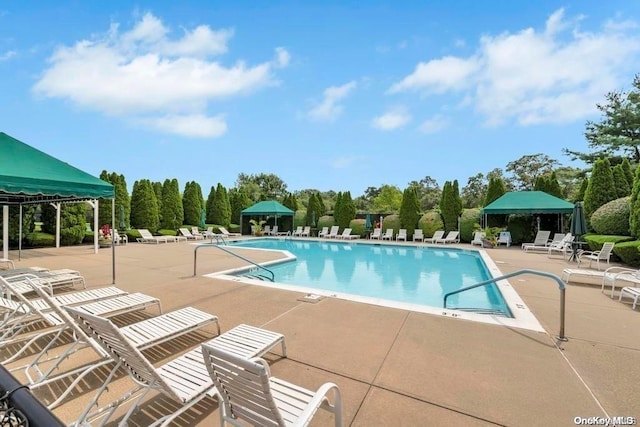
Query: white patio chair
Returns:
{"type": "Point", "coordinates": [333, 233]}
{"type": "Point", "coordinates": [346, 234]}
{"type": "Point", "coordinates": [418, 235]}
{"type": "Point", "coordinates": [184, 379]}
{"type": "Point", "coordinates": [298, 231]}
{"type": "Point", "coordinates": [603, 254]}
{"type": "Point", "coordinates": [377, 234]}
{"type": "Point", "coordinates": [324, 232]}
{"type": "Point", "coordinates": [633, 292]}
{"type": "Point", "coordinates": [402, 234]}
{"type": "Point", "coordinates": [248, 392]}
{"type": "Point", "coordinates": [504, 238]}
{"type": "Point", "coordinates": [540, 242]}
{"type": "Point", "coordinates": [436, 236]}
{"type": "Point", "coordinates": [147, 237]}
{"type": "Point", "coordinates": [388, 234]}
{"type": "Point", "coordinates": [306, 232]}
{"type": "Point", "coordinates": [452, 237]}
{"type": "Point", "coordinates": [189, 236]}
{"type": "Point", "coordinates": [478, 238]}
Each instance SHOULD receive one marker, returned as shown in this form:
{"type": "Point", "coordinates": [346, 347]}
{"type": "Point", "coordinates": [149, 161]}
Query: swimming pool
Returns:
{"type": "Point", "coordinates": [406, 274]}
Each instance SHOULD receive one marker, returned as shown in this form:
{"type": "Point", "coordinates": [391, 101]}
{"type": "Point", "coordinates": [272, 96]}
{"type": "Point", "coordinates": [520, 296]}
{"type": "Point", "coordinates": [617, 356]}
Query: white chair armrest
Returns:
{"type": "Point", "coordinates": [320, 397]}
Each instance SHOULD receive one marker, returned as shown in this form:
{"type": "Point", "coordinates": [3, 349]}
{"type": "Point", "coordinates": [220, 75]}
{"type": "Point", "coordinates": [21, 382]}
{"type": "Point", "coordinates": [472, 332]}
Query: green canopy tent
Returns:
{"type": "Point", "coordinates": [527, 202]}
{"type": "Point", "coordinates": [268, 207]}
{"type": "Point", "coordinates": [29, 176]}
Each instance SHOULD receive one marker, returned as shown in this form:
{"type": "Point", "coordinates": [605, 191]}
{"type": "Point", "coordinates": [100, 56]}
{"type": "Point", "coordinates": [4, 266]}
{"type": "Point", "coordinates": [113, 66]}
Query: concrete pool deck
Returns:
{"type": "Point", "coordinates": [394, 367]}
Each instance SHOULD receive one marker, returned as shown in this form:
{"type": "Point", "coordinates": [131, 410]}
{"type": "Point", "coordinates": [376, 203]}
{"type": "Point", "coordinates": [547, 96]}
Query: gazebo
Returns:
{"type": "Point", "coordinates": [30, 176]}
{"type": "Point", "coordinates": [527, 202]}
{"type": "Point", "coordinates": [266, 208]}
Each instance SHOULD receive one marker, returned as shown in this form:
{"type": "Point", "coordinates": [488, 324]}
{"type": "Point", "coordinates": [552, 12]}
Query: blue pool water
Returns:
{"type": "Point", "coordinates": [408, 274]}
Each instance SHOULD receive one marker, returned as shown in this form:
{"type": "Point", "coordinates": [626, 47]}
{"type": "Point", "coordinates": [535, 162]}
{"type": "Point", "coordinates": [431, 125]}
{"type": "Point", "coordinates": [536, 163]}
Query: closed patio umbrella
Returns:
{"type": "Point", "coordinates": [203, 219]}
{"type": "Point", "coordinates": [367, 222]}
{"type": "Point", "coordinates": [578, 225]}
{"type": "Point", "coordinates": [122, 225]}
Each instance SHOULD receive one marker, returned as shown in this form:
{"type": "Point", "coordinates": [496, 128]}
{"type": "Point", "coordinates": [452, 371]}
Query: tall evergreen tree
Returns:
{"type": "Point", "coordinates": [410, 209]}
{"type": "Point", "coordinates": [210, 206]}
{"type": "Point", "coordinates": [321, 205]}
{"type": "Point", "coordinates": [222, 207]}
{"type": "Point", "coordinates": [239, 200]}
{"type": "Point", "coordinates": [620, 182]}
{"type": "Point", "coordinates": [450, 206]}
{"type": "Point", "coordinates": [347, 210]}
{"type": "Point", "coordinates": [337, 209]}
{"type": "Point", "coordinates": [313, 211]}
{"type": "Point", "coordinates": [601, 188]}
{"type": "Point", "coordinates": [144, 206]}
{"type": "Point", "coordinates": [495, 190]}
{"type": "Point", "coordinates": [121, 199]}
{"type": "Point", "coordinates": [553, 186]}
{"type": "Point", "coordinates": [192, 203]}
{"type": "Point", "coordinates": [456, 197]}
{"type": "Point", "coordinates": [582, 191]}
{"type": "Point", "coordinates": [541, 184]}
{"type": "Point", "coordinates": [634, 203]}
{"type": "Point", "coordinates": [157, 189]}
{"type": "Point", "coordinates": [172, 212]}
{"type": "Point", "coordinates": [628, 174]}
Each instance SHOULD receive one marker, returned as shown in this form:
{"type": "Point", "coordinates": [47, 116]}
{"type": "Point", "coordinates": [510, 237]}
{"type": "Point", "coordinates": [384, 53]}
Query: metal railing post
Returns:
{"type": "Point", "coordinates": [558, 280]}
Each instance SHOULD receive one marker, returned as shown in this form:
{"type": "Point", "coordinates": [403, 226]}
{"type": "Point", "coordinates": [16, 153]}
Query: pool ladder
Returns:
{"type": "Point", "coordinates": [561, 336]}
{"type": "Point", "coordinates": [257, 266]}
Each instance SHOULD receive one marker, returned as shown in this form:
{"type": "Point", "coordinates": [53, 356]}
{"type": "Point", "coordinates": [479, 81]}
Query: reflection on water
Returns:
{"type": "Point", "coordinates": [421, 275]}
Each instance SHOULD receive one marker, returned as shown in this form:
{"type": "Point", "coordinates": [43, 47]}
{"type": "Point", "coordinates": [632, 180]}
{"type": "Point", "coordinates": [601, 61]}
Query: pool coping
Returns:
{"type": "Point", "coordinates": [523, 317]}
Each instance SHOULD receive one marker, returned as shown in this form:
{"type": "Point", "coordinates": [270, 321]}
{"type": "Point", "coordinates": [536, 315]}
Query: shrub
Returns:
{"type": "Point", "coordinates": [167, 232]}
{"type": "Point", "coordinates": [88, 237]}
{"type": "Point", "coordinates": [410, 209]}
{"type": "Point", "coordinates": [628, 252]}
{"type": "Point", "coordinates": [38, 239]}
{"type": "Point", "coordinates": [133, 235]}
{"type": "Point", "coordinates": [520, 228]}
{"type": "Point", "coordinates": [470, 218]}
{"type": "Point", "coordinates": [325, 221]}
{"type": "Point", "coordinates": [612, 218]}
{"type": "Point", "coordinates": [391, 221]}
{"type": "Point", "coordinates": [601, 188]}
{"type": "Point", "coordinates": [300, 218]}
{"type": "Point", "coordinates": [234, 228]}
{"type": "Point", "coordinates": [357, 226]}
{"type": "Point", "coordinates": [596, 241]}
{"type": "Point", "coordinates": [430, 223]}
{"type": "Point", "coordinates": [72, 235]}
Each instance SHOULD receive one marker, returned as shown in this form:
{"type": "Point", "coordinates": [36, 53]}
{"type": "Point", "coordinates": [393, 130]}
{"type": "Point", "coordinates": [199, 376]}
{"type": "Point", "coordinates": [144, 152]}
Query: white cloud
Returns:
{"type": "Point", "coordinates": [393, 119]}
{"type": "Point", "coordinates": [146, 76]}
{"type": "Point", "coordinates": [7, 55]}
{"type": "Point", "coordinates": [329, 109]}
{"type": "Point", "coordinates": [435, 124]}
{"type": "Point", "coordinates": [555, 75]}
{"type": "Point", "coordinates": [197, 125]}
{"type": "Point", "coordinates": [343, 162]}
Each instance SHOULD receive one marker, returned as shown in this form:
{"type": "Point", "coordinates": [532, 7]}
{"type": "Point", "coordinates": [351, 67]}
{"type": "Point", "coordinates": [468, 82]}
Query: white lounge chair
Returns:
{"type": "Point", "coordinates": [436, 236]}
{"type": "Point", "coordinates": [184, 379]}
{"type": "Point", "coordinates": [417, 235]}
{"type": "Point", "coordinates": [388, 234]}
{"type": "Point", "coordinates": [248, 392]}
{"type": "Point", "coordinates": [563, 246]}
{"type": "Point", "coordinates": [196, 232]}
{"type": "Point", "coordinates": [306, 232]}
{"type": "Point", "coordinates": [333, 233]}
{"type": "Point", "coordinates": [452, 237]}
{"type": "Point", "coordinates": [377, 234]}
{"type": "Point", "coordinates": [143, 335]}
{"type": "Point", "coordinates": [346, 234]}
{"type": "Point", "coordinates": [266, 230]}
{"type": "Point", "coordinates": [478, 238]}
{"type": "Point", "coordinates": [298, 231]}
{"type": "Point", "coordinates": [557, 237]}
{"type": "Point", "coordinates": [632, 292]}
{"type": "Point", "coordinates": [603, 254]}
{"type": "Point", "coordinates": [607, 277]}
{"type": "Point", "coordinates": [540, 242]}
{"type": "Point", "coordinates": [402, 234]}
{"type": "Point", "coordinates": [613, 275]}
{"type": "Point", "coordinates": [504, 238]}
{"type": "Point", "coordinates": [147, 237]}
{"type": "Point", "coordinates": [274, 231]}
{"type": "Point", "coordinates": [188, 235]}
{"type": "Point", "coordinates": [226, 233]}
{"type": "Point", "coordinates": [50, 279]}
{"type": "Point", "coordinates": [324, 232]}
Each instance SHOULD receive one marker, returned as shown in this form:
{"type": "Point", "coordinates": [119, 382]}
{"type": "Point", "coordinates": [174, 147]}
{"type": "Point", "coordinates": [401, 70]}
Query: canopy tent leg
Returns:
{"type": "Point", "coordinates": [20, 234]}
{"type": "Point", "coordinates": [113, 242]}
{"type": "Point", "coordinates": [57, 205]}
{"type": "Point", "coordinates": [94, 204]}
{"type": "Point", "coordinates": [5, 231]}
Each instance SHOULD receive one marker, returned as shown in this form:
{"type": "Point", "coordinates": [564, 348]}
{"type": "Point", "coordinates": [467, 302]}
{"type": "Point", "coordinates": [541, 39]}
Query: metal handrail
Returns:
{"type": "Point", "coordinates": [561, 286]}
{"type": "Point", "coordinates": [215, 245]}
{"type": "Point", "coordinates": [219, 238]}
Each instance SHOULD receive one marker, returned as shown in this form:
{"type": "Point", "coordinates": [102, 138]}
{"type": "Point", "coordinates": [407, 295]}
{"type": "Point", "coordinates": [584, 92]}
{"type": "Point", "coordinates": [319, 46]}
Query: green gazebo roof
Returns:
{"type": "Point", "coordinates": [268, 207]}
{"type": "Point", "coordinates": [528, 202]}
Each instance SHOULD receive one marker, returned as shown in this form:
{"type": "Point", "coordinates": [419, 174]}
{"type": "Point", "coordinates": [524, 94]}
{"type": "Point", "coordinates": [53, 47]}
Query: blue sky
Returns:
{"type": "Point", "coordinates": [327, 95]}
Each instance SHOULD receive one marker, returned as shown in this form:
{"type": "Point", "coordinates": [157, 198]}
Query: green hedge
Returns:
{"type": "Point", "coordinates": [88, 237]}
{"type": "Point", "coordinates": [72, 235]}
{"type": "Point", "coordinates": [430, 223]}
{"type": "Point", "coordinates": [38, 239]}
{"type": "Point", "coordinates": [596, 241]}
{"type": "Point", "coordinates": [166, 232]}
{"type": "Point", "coordinates": [628, 252]}
{"type": "Point", "coordinates": [357, 226]}
{"type": "Point", "coordinates": [520, 228]}
{"type": "Point", "coordinates": [612, 218]}
{"type": "Point", "coordinates": [391, 221]}
{"type": "Point", "coordinates": [470, 218]}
